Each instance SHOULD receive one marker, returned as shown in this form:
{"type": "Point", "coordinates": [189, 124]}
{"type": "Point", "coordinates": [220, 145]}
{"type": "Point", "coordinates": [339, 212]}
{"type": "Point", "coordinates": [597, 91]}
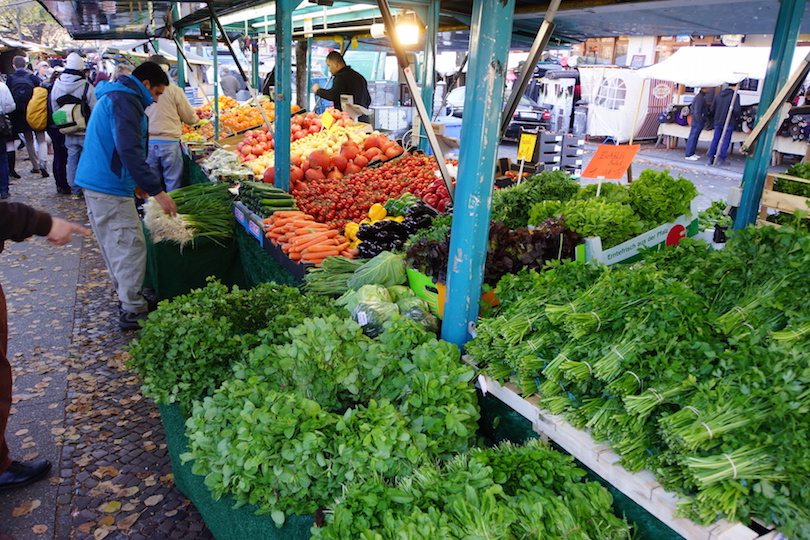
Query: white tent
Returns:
{"type": "Point", "coordinates": [714, 66]}
{"type": "Point", "coordinates": [613, 95]}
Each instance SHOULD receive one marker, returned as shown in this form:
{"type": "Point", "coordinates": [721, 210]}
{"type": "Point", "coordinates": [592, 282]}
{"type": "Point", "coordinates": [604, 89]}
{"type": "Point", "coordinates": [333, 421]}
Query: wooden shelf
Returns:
{"type": "Point", "coordinates": [642, 488]}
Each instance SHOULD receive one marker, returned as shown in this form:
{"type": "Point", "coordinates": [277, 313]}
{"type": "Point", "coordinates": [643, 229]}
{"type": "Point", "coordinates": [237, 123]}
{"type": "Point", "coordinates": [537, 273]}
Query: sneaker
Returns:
{"type": "Point", "coordinates": [14, 174]}
{"type": "Point", "coordinates": [44, 172]}
{"type": "Point", "coordinates": [693, 157]}
{"type": "Point", "coordinates": [721, 162]}
{"type": "Point", "coordinates": [34, 171]}
{"type": "Point", "coordinates": [63, 191]}
{"type": "Point", "coordinates": [77, 196]}
{"type": "Point", "coordinates": [131, 321]}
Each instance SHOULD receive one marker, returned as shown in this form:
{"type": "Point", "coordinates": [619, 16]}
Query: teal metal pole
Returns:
{"type": "Point", "coordinates": [284, 27]}
{"type": "Point", "coordinates": [785, 36]}
{"type": "Point", "coordinates": [309, 73]}
{"type": "Point", "coordinates": [254, 75]}
{"type": "Point", "coordinates": [216, 79]}
{"type": "Point", "coordinates": [490, 31]}
{"type": "Point", "coordinates": [429, 67]}
{"type": "Point", "coordinates": [178, 42]}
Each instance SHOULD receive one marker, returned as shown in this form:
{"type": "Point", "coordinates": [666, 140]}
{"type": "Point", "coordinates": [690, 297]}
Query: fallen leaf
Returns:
{"type": "Point", "coordinates": [27, 507]}
{"type": "Point", "coordinates": [171, 513]}
{"type": "Point", "coordinates": [111, 507]}
{"type": "Point", "coordinates": [129, 507]}
{"type": "Point", "coordinates": [167, 477]}
{"type": "Point", "coordinates": [129, 492]}
{"type": "Point", "coordinates": [31, 456]}
{"type": "Point", "coordinates": [85, 527]}
{"type": "Point", "coordinates": [153, 500]}
{"type": "Point", "coordinates": [127, 522]}
{"type": "Point", "coordinates": [102, 532]}
{"type": "Point", "coordinates": [39, 529]}
{"type": "Point", "coordinates": [21, 432]}
{"type": "Point", "coordinates": [106, 521]}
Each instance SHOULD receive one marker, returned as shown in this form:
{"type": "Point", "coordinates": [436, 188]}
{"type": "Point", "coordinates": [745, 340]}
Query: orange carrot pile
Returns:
{"type": "Point", "coordinates": [304, 239]}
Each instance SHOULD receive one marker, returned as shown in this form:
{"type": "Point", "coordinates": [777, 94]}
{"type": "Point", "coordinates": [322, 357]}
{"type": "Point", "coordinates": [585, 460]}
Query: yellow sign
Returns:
{"type": "Point", "coordinates": [526, 147]}
{"type": "Point", "coordinates": [327, 120]}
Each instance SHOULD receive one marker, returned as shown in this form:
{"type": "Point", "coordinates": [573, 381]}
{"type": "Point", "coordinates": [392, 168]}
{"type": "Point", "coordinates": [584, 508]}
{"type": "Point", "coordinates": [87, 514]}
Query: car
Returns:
{"type": "Point", "coordinates": [529, 114]}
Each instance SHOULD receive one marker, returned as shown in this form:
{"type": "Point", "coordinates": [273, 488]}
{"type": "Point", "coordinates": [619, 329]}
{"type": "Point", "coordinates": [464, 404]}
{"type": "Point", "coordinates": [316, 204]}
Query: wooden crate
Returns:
{"type": "Point", "coordinates": [641, 487]}
{"type": "Point", "coordinates": [777, 200]}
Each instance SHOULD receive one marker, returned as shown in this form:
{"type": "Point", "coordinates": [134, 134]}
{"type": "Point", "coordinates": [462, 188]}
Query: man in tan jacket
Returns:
{"type": "Point", "coordinates": [166, 118]}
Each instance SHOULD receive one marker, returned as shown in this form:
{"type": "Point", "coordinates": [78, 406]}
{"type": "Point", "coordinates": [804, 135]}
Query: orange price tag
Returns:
{"type": "Point", "coordinates": [611, 161]}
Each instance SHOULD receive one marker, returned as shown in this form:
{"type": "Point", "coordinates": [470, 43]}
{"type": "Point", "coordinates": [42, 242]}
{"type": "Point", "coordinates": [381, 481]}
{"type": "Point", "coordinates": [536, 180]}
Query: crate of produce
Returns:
{"type": "Point", "coordinates": [668, 234]}
{"type": "Point", "coordinates": [784, 193]}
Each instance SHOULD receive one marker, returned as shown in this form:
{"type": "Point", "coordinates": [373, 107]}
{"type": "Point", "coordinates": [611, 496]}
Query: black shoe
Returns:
{"type": "Point", "coordinates": [4, 195]}
{"type": "Point", "coordinates": [34, 171]}
{"type": "Point", "coordinates": [22, 473]}
{"type": "Point", "coordinates": [44, 172]}
{"type": "Point", "coordinates": [14, 174]}
{"type": "Point", "coordinates": [63, 191]}
{"type": "Point", "coordinates": [131, 321]}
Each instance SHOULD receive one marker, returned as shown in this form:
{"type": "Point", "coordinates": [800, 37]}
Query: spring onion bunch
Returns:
{"type": "Point", "coordinates": [203, 211]}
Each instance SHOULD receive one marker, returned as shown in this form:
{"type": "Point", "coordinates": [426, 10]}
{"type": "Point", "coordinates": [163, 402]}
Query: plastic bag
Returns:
{"type": "Point", "coordinates": [366, 293]}
{"type": "Point", "coordinates": [418, 310]}
{"type": "Point", "coordinates": [372, 316]}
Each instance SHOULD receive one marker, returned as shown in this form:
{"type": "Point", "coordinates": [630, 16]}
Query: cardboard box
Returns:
{"type": "Point", "coordinates": [668, 234]}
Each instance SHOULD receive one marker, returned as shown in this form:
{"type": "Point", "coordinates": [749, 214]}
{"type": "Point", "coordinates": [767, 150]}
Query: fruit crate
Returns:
{"type": "Point", "coordinates": [777, 200]}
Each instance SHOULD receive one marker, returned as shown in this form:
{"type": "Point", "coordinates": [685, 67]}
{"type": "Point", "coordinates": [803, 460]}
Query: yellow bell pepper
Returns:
{"type": "Point", "coordinates": [377, 212]}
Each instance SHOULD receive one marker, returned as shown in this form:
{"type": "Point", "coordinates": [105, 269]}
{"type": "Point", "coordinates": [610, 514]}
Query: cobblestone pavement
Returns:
{"type": "Point", "coordinates": [75, 402]}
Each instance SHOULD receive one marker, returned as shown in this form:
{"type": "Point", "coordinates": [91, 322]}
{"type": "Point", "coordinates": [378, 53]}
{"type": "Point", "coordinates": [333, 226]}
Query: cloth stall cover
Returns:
{"type": "Point", "coordinates": [613, 95]}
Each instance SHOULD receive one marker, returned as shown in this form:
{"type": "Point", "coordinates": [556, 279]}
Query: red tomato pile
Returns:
{"type": "Point", "coordinates": [435, 193]}
{"type": "Point", "coordinates": [337, 202]}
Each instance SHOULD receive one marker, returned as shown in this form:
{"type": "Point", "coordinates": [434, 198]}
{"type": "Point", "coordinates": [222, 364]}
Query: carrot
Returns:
{"type": "Point", "coordinates": [308, 223]}
{"type": "Point", "coordinates": [342, 246]}
{"type": "Point", "coordinates": [295, 256]}
{"type": "Point", "coordinates": [353, 252]}
{"type": "Point", "coordinates": [306, 238]}
{"type": "Point", "coordinates": [291, 213]}
{"type": "Point", "coordinates": [321, 255]}
{"type": "Point", "coordinates": [326, 246]}
{"type": "Point", "coordinates": [274, 236]}
{"type": "Point", "coordinates": [345, 253]}
{"type": "Point", "coordinates": [303, 246]}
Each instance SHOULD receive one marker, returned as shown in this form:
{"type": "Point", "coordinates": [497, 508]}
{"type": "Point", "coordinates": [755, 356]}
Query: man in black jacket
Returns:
{"type": "Point", "coordinates": [698, 110]}
{"type": "Point", "coordinates": [346, 81]}
{"type": "Point", "coordinates": [719, 109]}
{"type": "Point", "coordinates": [18, 222]}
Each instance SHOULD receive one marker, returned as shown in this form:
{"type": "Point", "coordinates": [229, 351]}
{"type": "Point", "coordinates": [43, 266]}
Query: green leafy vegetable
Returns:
{"type": "Point", "coordinates": [658, 198]}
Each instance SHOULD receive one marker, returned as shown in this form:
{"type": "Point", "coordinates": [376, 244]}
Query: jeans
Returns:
{"type": "Point", "coordinates": [166, 158]}
{"type": "Point", "coordinates": [3, 173]}
{"type": "Point", "coordinates": [75, 145]}
{"type": "Point", "coordinates": [718, 131]}
{"type": "Point", "coordinates": [60, 157]}
{"type": "Point", "coordinates": [120, 236]}
{"type": "Point", "coordinates": [694, 135]}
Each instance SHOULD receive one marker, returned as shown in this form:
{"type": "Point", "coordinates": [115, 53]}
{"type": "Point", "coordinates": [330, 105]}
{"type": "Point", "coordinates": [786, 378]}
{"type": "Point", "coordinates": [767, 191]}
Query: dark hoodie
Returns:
{"type": "Point", "coordinates": [720, 107]}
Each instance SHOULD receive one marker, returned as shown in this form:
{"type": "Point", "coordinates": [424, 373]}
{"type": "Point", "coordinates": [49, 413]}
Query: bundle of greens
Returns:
{"type": "Point", "coordinates": [331, 277]}
{"type": "Point", "coordinates": [511, 205]}
{"type": "Point", "coordinates": [203, 211]}
{"type": "Point", "coordinates": [657, 198]}
{"type": "Point", "coordinates": [504, 492]}
{"type": "Point", "coordinates": [328, 405]}
{"type": "Point", "coordinates": [188, 345]}
{"type": "Point", "coordinates": [613, 222]}
{"type": "Point", "coordinates": [690, 364]}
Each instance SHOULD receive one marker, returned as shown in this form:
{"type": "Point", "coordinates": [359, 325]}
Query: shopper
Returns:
{"type": "Point", "coordinates": [112, 170]}
{"type": "Point", "coordinates": [228, 83]}
{"type": "Point", "coordinates": [18, 222]}
{"type": "Point", "coordinates": [44, 71]}
{"type": "Point", "coordinates": [697, 110]}
{"type": "Point", "coordinates": [346, 81]}
{"type": "Point", "coordinates": [121, 68]}
{"type": "Point", "coordinates": [166, 118]}
{"type": "Point", "coordinates": [719, 110]}
{"type": "Point", "coordinates": [22, 83]}
{"type": "Point", "coordinates": [7, 105]}
{"type": "Point", "coordinates": [60, 151]}
{"type": "Point", "coordinates": [73, 87]}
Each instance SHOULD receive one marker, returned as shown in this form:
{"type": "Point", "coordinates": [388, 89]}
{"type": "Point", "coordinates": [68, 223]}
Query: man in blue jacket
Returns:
{"type": "Point", "coordinates": [112, 170]}
{"type": "Point", "coordinates": [726, 99]}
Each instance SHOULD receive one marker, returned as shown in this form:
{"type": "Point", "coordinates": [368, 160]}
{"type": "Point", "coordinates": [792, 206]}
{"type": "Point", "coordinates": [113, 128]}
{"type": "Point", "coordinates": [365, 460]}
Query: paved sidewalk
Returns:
{"type": "Point", "coordinates": [74, 401]}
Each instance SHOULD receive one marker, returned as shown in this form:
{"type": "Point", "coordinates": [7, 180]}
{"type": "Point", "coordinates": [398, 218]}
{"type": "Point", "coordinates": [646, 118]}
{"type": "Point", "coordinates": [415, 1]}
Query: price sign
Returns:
{"type": "Point", "coordinates": [611, 161]}
{"type": "Point", "coordinates": [526, 148]}
{"type": "Point", "coordinates": [327, 120]}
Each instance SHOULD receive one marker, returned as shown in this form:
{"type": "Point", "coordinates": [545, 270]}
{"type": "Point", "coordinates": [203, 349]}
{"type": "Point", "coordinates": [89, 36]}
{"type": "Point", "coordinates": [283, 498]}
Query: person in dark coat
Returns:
{"type": "Point", "coordinates": [18, 222]}
{"type": "Point", "coordinates": [346, 81]}
{"type": "Point", "coordinates": [698, 110]}
{"type": "Point", "coordinates": [719, 109]}
{"type": "Point", "coordinates": [22, 83]}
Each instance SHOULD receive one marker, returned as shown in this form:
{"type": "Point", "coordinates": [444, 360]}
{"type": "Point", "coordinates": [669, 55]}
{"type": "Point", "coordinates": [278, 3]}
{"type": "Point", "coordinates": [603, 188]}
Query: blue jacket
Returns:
{"type": "Point", "coordinates": [114, 157]}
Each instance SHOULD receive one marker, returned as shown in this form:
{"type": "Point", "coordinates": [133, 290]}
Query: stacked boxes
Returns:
{"type": "Point", "coordinates": [572, 151]}
{"type": "Point", "coordinates": [548, 151]}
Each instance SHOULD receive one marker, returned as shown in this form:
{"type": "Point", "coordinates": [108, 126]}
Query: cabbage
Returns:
{"type": "Point", "coordinates": [372, 316]}
{"type": "Point", "coordinates": [385, 269]}
{"type": "Point", "coordinates": [399, 292]}
{"type": "Point", "coordinates": [366, 293]}
{"type": "Point", "coordinates": [418, 310]}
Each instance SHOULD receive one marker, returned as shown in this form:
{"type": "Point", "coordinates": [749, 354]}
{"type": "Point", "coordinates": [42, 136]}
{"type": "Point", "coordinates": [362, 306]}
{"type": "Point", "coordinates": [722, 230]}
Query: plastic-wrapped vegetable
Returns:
{"type": "Point", "coordinates": [372, 316]}
{"type": "Point", "coordinates": [399, 292]}
{"type": "Point", "coordinates": [418, 310]}
{"type": "Point", "coordinates": [366, 293]}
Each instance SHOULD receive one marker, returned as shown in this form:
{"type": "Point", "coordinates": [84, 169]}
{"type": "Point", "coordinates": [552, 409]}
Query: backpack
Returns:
{"type": "Point", "coordinates": [73, 113]}
{"type": "Point", "coordinates": [6, 129]}
{"type": "Point", "coordinates": [22, 88]}
{"type": "Point", "coordinates": [36, 113]}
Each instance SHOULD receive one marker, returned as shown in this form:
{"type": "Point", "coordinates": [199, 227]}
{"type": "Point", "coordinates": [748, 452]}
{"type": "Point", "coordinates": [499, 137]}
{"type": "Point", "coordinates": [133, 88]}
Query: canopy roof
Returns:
{"type": "Point", "coordinates": [713, 66]}
{"type": "Point", "coordinates": [576, 19]}
{"type": "Point", "coordinates": [143, 48]}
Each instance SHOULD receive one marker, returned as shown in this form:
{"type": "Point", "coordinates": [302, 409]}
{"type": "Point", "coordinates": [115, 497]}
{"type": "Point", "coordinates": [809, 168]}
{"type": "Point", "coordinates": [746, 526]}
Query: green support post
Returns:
{"type": "Point", "coordinates": [284, 27]}
{"type": "Point", "coordinates": [786, 34]}
{"type": "Point", "coordinates": [491, 32]}
{"type": "Point", "coordinates": [216, 79]}
{"type": "Point", "coordinates": [429, 66]}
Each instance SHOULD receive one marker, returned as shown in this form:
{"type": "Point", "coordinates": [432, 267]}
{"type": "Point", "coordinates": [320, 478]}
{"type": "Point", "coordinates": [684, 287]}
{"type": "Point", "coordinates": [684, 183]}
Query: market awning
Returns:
{"type": "Point", "coordinates": [166, 47]}
{"type": "Point", "coordinates": [714, 66]}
